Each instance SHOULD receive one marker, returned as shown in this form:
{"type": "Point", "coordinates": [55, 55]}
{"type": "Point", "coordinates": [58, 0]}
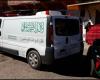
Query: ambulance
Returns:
{"type": "Point", "coordinates": [41, 38]}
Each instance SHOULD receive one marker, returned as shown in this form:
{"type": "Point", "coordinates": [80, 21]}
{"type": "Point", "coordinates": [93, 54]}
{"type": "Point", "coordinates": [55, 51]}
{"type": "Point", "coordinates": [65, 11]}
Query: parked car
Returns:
{"type": "Point", "coordinates": [93, 39]}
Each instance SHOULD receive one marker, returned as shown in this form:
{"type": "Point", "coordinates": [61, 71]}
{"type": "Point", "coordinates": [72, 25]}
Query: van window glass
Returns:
{"type": "Point", "coordinates": [66, 27]}
{"type": "Point", "coordinates": [0, 23]}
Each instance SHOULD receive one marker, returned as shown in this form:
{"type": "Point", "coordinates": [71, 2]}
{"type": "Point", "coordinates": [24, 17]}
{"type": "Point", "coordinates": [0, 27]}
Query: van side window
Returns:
{"type": "Point", "coordinates": [66, 27]}
{"type": "Point", "coordinates": [0, 23]}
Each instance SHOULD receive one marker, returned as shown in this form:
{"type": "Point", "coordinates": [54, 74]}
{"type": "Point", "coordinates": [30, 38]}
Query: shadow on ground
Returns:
{"type": "Point", "coordinates": [71, 66]}
{"type": "Point", "coordinates": [4, 58]}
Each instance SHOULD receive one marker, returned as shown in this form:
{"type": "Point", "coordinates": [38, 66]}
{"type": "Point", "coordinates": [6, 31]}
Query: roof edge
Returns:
{"type": "Point", "coordinates": [87, 3]}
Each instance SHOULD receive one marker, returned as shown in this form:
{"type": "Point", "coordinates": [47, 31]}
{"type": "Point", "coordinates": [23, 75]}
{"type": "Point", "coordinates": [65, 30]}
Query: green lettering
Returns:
{"type": "Point", "coordinates": [36, 27]}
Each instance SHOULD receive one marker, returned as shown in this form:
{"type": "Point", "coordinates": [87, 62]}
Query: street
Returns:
{"type": "Point", "coordinates": [13, 67]}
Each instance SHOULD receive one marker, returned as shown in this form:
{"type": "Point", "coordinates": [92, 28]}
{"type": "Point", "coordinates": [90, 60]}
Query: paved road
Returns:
{"type": "Point", "coordinates": [12, 67]}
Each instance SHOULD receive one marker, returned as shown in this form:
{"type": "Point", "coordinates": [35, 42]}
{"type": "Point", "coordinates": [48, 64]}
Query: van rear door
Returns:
{"type": "Point", "coordinates": [67, 36]}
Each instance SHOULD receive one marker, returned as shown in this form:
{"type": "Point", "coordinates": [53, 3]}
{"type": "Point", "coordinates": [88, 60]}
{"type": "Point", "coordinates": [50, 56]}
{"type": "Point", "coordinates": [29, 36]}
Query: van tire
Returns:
{"type": "Point", "coordinates": [34, 59]}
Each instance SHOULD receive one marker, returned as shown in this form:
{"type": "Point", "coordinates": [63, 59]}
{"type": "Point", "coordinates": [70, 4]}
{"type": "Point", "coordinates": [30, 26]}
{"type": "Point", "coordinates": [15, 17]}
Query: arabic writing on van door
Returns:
{"type": "Point", "coordinates": [36, 27]}
{"type": "Point", "coordinates": [37, 40]}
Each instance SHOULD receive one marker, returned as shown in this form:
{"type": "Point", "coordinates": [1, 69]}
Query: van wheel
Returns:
{"type": "Point", "coordinates": [34, 59]}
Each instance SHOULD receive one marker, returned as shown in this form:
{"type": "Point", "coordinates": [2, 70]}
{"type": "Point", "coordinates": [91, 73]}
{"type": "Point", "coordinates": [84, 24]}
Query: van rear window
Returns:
{"type": "Point", "coordinates": [66, 27]}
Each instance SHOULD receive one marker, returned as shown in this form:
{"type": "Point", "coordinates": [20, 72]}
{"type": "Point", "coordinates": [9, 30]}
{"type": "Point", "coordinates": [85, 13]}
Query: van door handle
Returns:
{"type": "Point", "coordinates": [66, 40]}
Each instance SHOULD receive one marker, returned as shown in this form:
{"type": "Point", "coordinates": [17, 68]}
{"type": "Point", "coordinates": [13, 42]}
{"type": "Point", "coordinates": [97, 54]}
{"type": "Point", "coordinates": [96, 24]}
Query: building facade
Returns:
{"type": "Point", "coordinates": [16, 2]}
{"type": "Point", "coordinates": [3, 4]}
{"type": "Point", "coordinates": [90, 10]}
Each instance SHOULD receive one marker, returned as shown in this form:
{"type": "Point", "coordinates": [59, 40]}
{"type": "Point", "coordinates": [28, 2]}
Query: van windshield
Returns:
{"type": "Point", "coordinates": [66, 27]}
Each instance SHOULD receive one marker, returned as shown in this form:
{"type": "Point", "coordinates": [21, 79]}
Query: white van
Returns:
{"type": "Point", "coordinates": [41, 38]}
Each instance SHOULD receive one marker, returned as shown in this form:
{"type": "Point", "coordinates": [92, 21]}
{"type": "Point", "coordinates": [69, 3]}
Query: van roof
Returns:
{"type": "Point", "coordinates": [23, 17]}
{"type": "Point", "coordinates": [13, 17]}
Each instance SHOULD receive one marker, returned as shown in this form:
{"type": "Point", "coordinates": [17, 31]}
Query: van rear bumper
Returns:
{"type": "Point", "coordinates": [49, 56]}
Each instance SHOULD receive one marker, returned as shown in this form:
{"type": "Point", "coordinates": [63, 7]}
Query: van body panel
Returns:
{"type": "Point", "coordinates": [29, 33]}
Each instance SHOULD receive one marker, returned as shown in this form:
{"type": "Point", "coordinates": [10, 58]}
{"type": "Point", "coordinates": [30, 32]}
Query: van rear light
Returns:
{"type": "Point", "coordinates": [50, 35]}
{"type": "Point", "coordinates": [47, 12]}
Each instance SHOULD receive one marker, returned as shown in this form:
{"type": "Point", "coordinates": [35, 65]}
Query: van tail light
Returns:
{"type": "Point", "coordinates": [47, 12]}
{"type": "Point", "coordinates": [50, 34]}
